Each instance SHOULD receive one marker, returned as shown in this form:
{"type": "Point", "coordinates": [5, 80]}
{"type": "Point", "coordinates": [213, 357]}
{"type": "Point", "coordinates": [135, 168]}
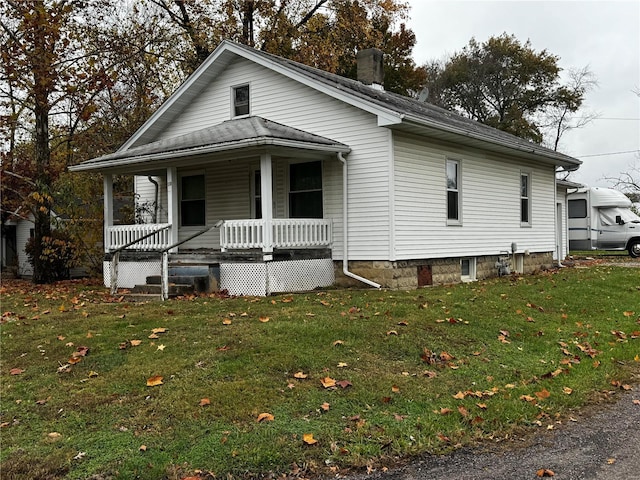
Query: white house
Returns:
{"type": "Point", "coordinates": [282, 176]}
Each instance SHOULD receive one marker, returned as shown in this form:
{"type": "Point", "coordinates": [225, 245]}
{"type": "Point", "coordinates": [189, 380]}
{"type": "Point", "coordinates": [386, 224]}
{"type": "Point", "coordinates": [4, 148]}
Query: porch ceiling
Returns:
{"type": "Point", "coordinates": [244, 133]}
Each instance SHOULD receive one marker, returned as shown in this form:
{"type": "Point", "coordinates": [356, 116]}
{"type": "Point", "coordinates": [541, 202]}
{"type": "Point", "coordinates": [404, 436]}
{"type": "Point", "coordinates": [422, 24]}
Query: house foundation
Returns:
{"type": "Point", "coordinates": [408, 274]}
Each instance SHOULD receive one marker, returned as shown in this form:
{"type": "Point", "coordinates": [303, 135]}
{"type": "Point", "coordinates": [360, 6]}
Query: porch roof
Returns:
{"type": "Point", "coordinates": [228, 135]}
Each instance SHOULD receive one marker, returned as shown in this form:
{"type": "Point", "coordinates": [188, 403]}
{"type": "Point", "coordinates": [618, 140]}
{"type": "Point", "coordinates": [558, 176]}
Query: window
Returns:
{"type": "Point", "coordinates": [305, 190]}
{"type": "Point", "coordinates": [578, 208]}
{"type": "Point", "coordinates": [453, 191]}
{"type": "Point", "coordinates": [257, 194]}
{"type": "Point", "coordinates": [468, 269]}
{"type": "Point", "coordinates": [525, 199]}
{"type": "Point", "coordinates": [241, 100]}
{"type": "Point", "coordinates": [192, 201]}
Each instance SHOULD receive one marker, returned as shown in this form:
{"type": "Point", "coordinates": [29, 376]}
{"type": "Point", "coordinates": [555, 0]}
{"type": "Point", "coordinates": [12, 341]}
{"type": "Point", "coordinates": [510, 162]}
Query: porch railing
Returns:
{"type": "Point", "coordinates": [285, 233]}
{"type": "Point", "coordinates": [145, 236]}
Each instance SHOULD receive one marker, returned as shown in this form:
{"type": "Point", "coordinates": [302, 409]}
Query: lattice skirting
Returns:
{"type": "Point", "coordinates": [262, 279]}
{"type": "Point", "coordinates": [130, 273]}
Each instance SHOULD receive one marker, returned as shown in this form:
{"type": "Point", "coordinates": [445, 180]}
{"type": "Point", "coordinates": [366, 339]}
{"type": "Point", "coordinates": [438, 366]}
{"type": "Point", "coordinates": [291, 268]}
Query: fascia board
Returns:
{"type": "Point", "coordinates": [254, 142]}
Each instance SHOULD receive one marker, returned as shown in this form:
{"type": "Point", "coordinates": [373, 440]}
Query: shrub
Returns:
{"type": "Point", "coordinates": [59, 254]}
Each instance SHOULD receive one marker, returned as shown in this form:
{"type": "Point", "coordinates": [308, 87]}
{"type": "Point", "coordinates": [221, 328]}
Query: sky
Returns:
{"type": "Point", "coordinates": [603, 35]}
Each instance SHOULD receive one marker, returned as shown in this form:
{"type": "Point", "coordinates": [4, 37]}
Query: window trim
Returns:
{"type": "Point", "coordinates": [527, 222]}
{"type": "Point", "coordinates": [457, 190]}
{"type": "Point", "coordinates": [234, 105]}
{"type": "Point", "coordinates": [200, 173]}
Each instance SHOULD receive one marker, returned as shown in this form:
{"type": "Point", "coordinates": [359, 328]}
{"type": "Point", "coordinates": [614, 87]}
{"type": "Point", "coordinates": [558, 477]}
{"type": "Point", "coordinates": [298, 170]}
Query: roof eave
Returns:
{"type": "Point", "coordinates": [558, 159]}
{"type": "Point", "coordinates": [99, 165]}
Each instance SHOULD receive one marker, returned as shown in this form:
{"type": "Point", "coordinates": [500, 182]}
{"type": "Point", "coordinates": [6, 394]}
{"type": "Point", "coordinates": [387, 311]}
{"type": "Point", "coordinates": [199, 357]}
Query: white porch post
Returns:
{"type": "Point", "coordinates": [173, 201]}
{"type": "Point", "coordinates": [266, 175]}
{"type": "Point", "coordinates": [108, 208]}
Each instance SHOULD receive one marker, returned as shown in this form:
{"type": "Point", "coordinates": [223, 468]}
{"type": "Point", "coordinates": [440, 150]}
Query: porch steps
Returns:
{"type": "Point", "coordinates": [184, 279]}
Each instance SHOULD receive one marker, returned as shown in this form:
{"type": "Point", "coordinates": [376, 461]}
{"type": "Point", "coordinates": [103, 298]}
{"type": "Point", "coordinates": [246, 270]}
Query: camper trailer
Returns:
{"type": "Point", "coordinates": [602, 219]}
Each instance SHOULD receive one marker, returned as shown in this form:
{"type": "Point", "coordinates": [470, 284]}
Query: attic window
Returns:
{"type": "Point", "coordinates": [241, 100]}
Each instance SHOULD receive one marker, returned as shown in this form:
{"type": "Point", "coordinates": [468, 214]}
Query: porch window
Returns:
{"type": "Point", "coordinates": [241, 100]}
{"type": "Point", "coordinates": [453, 192]}
{"type": "Point", "coordinates": [192, 201]}
{"type": "Point", "coordinates": [305, 190]}
{"type": "Point", "coordinates": [468, 269]}
{"type": "Point", "coordinates": [525, 199]}
{"type": "Point", "coordinates": [257, 194]}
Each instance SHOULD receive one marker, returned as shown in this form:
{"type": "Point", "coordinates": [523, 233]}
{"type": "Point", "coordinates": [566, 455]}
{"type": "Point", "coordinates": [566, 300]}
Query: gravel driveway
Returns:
{"type": "Point", "coordinates": [601, 443]}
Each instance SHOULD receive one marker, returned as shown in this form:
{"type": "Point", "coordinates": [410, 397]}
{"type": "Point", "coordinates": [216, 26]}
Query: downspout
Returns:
{"type": "Point", "coordinates": [345, 224]}
{"type": "Point", "coordinates": [155, 202]}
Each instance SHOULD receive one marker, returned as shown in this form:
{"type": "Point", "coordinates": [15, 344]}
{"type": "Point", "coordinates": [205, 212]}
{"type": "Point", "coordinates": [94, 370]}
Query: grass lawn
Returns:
{"type": "Point", "coordinates": [301, 385]}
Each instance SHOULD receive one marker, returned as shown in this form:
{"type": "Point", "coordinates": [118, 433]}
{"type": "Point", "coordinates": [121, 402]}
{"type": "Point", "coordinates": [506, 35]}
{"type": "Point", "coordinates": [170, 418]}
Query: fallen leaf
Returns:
{"type": "Point", "coordinates": [325, 303]}
{"type": "Point", "coordinates": [545, 472]}
{"type": "Point", "coordinates": [328, 382]}
{"type": "Point", "coordinates": [143, 448]}
{"type": "Point", "coordinates": [429, 374]}
{"type": "Point", "coordinates": [92, 374]}
{"type": "Point", "coordinates": [300, 375]}
{"type": "Point", "coordinates": [443, 438]}
{"type": "Point", "coordinates": [265, 417]}
{"type": "Point", "coordinates": [135, 343]}
{"type": "Point", "coordinates": [460, 395]}
{"type": "Point", "coordinates": [264, 319]}
{"type": "Point", "coordinates": [204, 402]}
{"type": "Point", "coordinates": [344, 383]}
{"type": "Point", "coordinates": [611, 461]}
{"type": "Point", "coordinates": [159, 330]}
{"type": "Point", "coordinates": [16, 371]}
{"type": "Point", "coordinates": [542, 394]}
{"type": "Point", "coordinates": [463, 411]}
{"type": "Point", "coordinates": [567, 390]}
{"type": "Point", "coordinates": [342, 365]}
{"type": "Point", "coordinates": [628, 314]}
{"type": "Point", "coordinates": [54, 436]}
{"type": "Point", "coordinates": [154, 381]}
{"type": "Point", "coordinates": [392, 332]}
{"type": "Point", "coordinates": [338, 342]}
{"type": "Point", "coordinates": [444, 411]}
{"type": "Point", "coordinates": [527, 398]}
{"type": "Point", "coordinates": [482, 406]}
{"type": "Point", "coordinates": [308, 439]}
{"type": "Point", "coordinates": [395, 389]}
{"type": "Point", "coordinates": [226, 321]}
{"type": "Point", "coordinates": [161, 347]}
{"type": "Point", "coordinates": [325, 406]}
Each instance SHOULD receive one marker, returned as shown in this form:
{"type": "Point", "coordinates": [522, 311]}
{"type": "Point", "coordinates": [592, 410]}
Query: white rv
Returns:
{"type": "Point", "coordinates": [601, 219]}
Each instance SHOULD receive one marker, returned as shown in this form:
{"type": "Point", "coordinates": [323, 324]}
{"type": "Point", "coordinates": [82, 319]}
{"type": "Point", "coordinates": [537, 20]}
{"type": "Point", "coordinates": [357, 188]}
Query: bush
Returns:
{"type": "Point", "coordinates": [59, 254]}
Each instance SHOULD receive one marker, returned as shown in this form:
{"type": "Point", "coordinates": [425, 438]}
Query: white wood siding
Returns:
{"type": "Point", "coordinates": [283, 100]}
{"type": "Point", "coordinates": [490, 192]}
{"type": "Point", "coordinates": [146, 193]}
{"type": "Point", "coordinates": [23, 234]}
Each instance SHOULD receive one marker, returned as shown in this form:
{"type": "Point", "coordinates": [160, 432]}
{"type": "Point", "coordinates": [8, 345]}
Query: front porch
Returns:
{"type": "Point", "coordinates": [257, 257]}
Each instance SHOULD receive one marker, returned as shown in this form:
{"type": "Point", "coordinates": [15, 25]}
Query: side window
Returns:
{"type": "Point", "coordinates": [257, 194]}
{"type": "Point", "coordinates": [578, 208]}
{"type": "Point", "coordinates": [192, 201]}
{"type": "Point", "coordinates": [453, 192]}
{"type": "Point", "coordinates": [525, 199]}
{"type": "Point", "coordinates": [241, 100]}
{"type": "Point", "coordinates": [305, 190]}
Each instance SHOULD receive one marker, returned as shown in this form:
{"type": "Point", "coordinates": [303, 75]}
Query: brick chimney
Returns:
{"type": "Point", "coordinates": [370, 67]}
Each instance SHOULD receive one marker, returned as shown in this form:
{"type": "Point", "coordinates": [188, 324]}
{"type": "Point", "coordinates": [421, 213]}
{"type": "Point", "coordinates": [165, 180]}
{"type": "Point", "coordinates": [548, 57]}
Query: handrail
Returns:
{"type": "Point", "coordinates": [164, 264]}
{"type": "Point", "coordinates": [218, 224]}
{"type": "Point", "coordinates": [115, 260]}
{"type": "Point", "coordinates": [150, 234]}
